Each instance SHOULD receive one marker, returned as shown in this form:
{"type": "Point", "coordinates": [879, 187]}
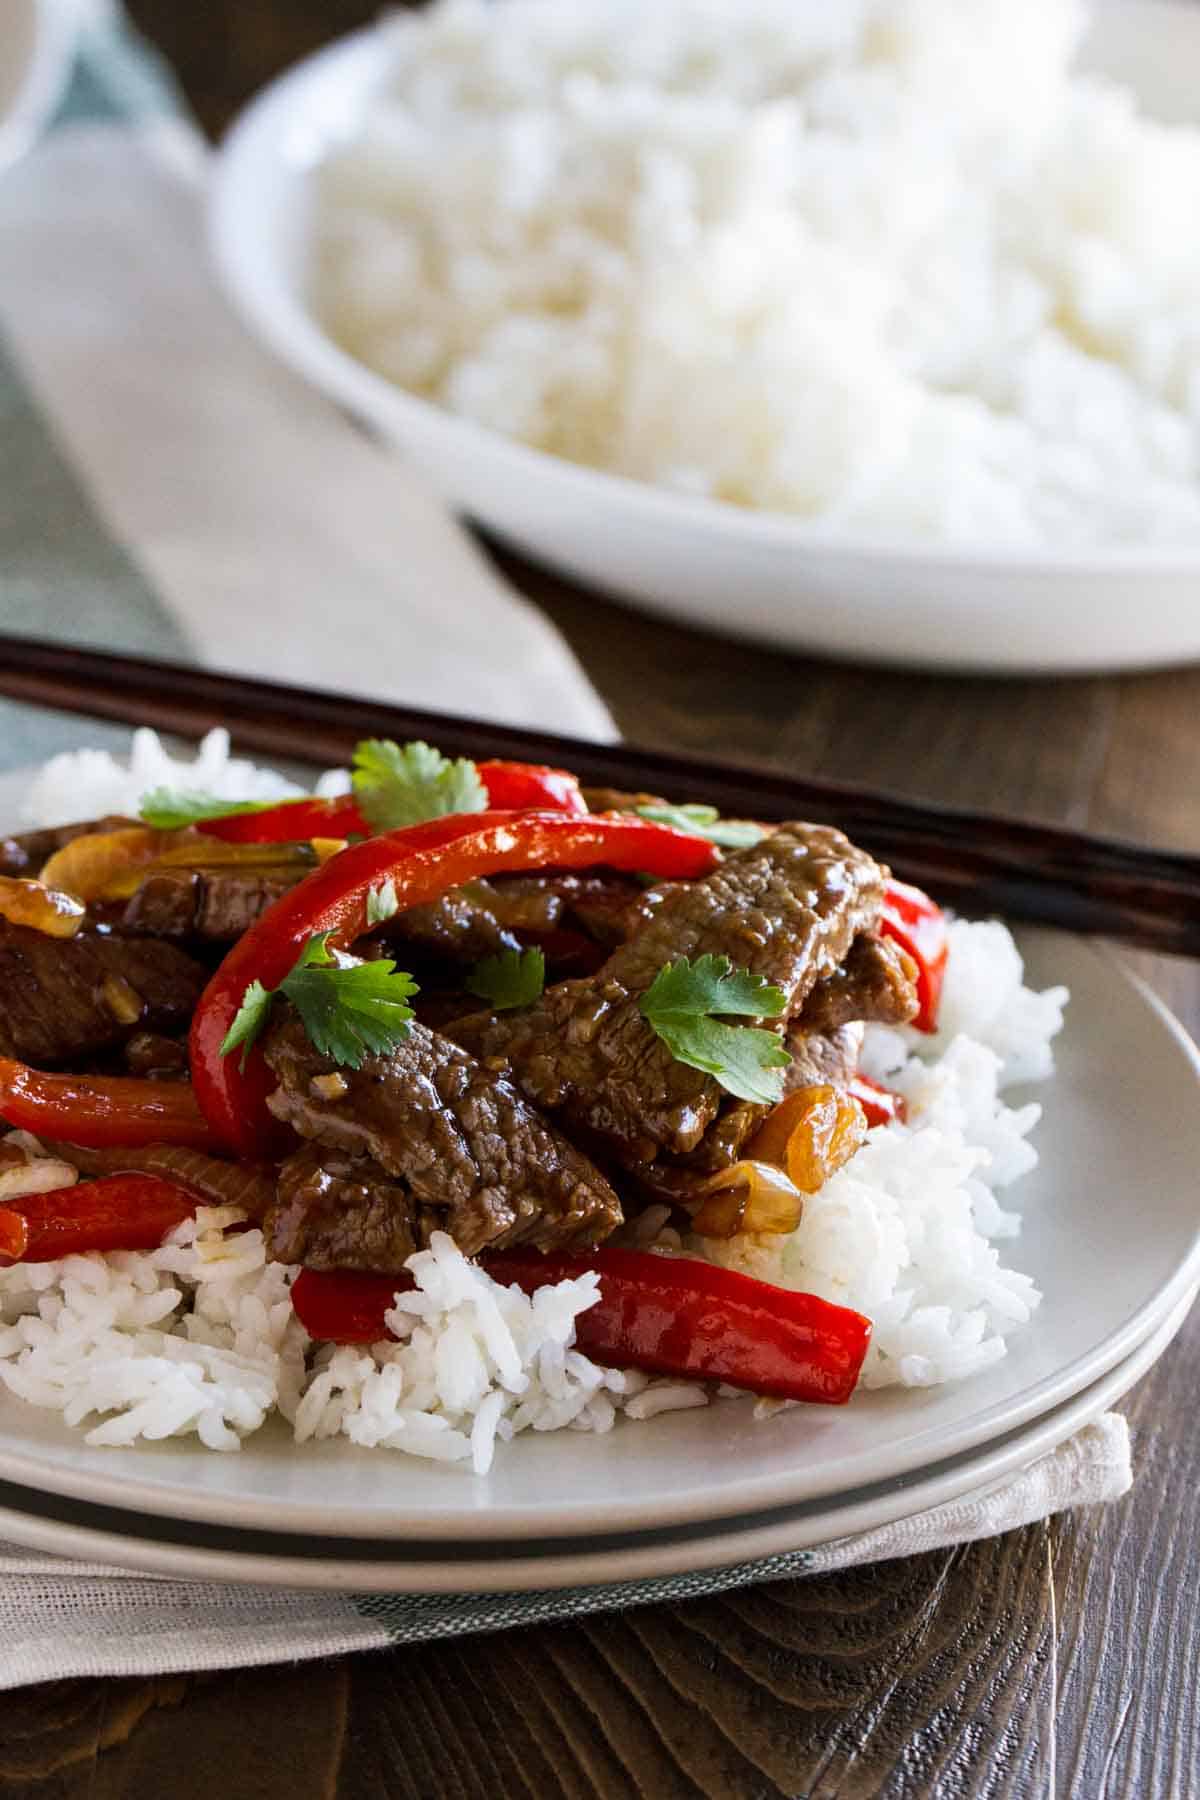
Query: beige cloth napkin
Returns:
{"type": "Point", "coordinates": [60, 1619]}
{"type": "Point", "coordinates": [279, 538]}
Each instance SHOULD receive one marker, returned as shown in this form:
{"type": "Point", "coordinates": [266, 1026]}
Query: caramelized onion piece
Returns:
{"type": "Point", "coordinates": [24, 1173]}
{"type": "Point", "coordinates": [323, 848]}
{"type": "Point", "coordinates": [122, 999]}
{"type": "Point", "coordinates": [192, 850]}
{"type": "Point", "coordinates": [43, 909]}
{"type": "Point", "coordinates": [811, 1133]}
{"type": "Point", "coordinates": [112, 865]}
{"type": "Point", "coordinates": [219, 1183]}
{"type": "Point", "coordinates": [748, 1196]}
{"type": "Point", "coordinates": [86, 865]}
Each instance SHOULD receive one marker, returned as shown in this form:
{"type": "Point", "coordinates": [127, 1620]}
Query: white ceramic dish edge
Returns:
{"type": "Point", "coordinates": [761, 575]}
{"type": "Point", "coordinates": [971, 1474]}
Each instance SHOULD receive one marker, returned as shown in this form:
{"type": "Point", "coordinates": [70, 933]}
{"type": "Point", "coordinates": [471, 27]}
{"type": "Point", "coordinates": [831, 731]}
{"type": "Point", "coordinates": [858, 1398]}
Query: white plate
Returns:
{"type": "Point", "coordinates": [192, 1552]}
{"type": "Point", "coordinates": [1111, 1235]}
{"type": "Point", "coordinates": [37, 38]}
{"type": "Point", "coordinates": [757, 575]}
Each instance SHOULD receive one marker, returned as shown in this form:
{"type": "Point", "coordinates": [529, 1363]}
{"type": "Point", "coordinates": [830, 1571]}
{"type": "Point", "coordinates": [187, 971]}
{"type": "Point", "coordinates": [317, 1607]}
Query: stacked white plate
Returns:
{"type": "Point", "coordinates": [1111, 1236]}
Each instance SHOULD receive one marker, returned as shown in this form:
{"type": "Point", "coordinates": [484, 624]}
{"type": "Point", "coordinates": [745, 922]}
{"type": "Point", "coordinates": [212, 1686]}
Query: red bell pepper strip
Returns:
{"type": "Point", "coordinates": [516, 786]}
{"type": "Point", "coordinates": [666, 1315]}
{"type": "Point", "coordinates": [120, 1212]}
{"type": "Point", "coordinates": [880, 1104]}
{"type": "Point", "coordinates": [511, 787]}
{"type": "Point", "coordinates": [97, 1111]}
{"type": "Point", "coordinates": [918, 925]}
{"type": "Point", "coordinates": [347, 1306]}
{"type": "Point", "coordinates": [422, 862]}
{"type": "Point", "coordinates": [291, 822]}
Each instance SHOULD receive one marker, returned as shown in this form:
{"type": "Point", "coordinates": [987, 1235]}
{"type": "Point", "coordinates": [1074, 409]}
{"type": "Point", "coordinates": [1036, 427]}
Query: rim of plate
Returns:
{"type": "Point", "coordinates": [728, 1543]}
{"type": "Point", "coordinates": [578, 1515]}
{"type": "Point", "coordinates": [284, 133]}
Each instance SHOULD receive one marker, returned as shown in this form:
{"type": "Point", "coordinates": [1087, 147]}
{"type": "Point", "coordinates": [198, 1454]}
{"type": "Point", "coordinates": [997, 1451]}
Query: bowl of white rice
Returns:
{"type": "Point", "coordinates": [870, 330]}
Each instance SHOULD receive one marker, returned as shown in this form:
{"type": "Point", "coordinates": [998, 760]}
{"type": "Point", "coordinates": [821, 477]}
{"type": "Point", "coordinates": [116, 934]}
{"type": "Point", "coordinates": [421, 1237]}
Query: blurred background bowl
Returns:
{"type": "Point", "coordinates": [760, 575]}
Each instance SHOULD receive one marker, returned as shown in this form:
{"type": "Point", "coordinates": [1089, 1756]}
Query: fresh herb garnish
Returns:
{"type": "Point", "coordinates": [348, 1007]}
{"type": "Point", "coordinates": [684, 1004]}
{"type": "Point", "coordinates": [249, 1020]}
{"type": "Point", "coordinates": [401, 784]}
{"type": "Point", "coordinates": [382, 902]}
{"type": "Point", "coordinates": [706, 822]}
{"type": "Point", "coordinates": [511, 978]}
{"type": "Point", "coordinates": [166, 810]}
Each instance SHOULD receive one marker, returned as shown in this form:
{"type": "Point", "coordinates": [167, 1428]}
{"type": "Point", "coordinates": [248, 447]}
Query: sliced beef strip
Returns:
{"type": "Point", "coordinates": [25, 852]}
{"type": "Point", "coordinates": [610, 908]}
{"type": "Point", "coordinates": [485, 916]}
{"type": "Point", "coordinates": [66, 1000]}
{"type": "Point", "coordinates": [162, 1058]}
{"type": "Point", "coordinates": [193, 904]}
{"type": "Point", "coordinates": [458, 1146]}
{"type": "Point", "coordinates": [787, 909]}
{"type": "Point", "coordinates": [876, 985]}
{"type": "Point", "coordinates": [343, 1212]}
{"type": "Point", "coordinates": [610, 799]}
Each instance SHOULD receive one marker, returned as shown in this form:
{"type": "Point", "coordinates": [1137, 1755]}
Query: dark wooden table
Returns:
{"type": "Point", "coordinates": [1061, 1659]}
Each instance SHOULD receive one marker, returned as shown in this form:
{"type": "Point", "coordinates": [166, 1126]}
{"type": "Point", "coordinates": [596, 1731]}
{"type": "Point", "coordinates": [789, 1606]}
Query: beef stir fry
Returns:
{"type": "Point", "coordinates": [458, 999]}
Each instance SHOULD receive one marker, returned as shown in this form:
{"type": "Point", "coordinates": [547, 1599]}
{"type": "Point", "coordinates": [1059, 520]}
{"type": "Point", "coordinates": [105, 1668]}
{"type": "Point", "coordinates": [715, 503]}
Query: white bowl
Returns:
{"type": "Point", "coordinates": [758, 575]}
{"type": "Point", "coordinates": [37, 40]}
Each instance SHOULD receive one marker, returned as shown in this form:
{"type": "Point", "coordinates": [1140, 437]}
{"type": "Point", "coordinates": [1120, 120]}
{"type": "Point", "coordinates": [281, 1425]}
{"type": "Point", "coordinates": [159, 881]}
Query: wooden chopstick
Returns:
{"type": "Point", "coordinates": [981, 862]}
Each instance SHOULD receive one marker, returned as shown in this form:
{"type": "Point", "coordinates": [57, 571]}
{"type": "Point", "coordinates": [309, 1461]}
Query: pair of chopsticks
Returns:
{"type": "Point", "coordinates": [979, 862]}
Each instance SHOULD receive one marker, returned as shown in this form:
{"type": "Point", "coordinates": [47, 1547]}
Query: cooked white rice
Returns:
{"type": "Point", "coordinates": [83, 784]}
{"type": "Point", "coordinates": [199, 1336]}
{"type": "Point", "coordinates": [885, 264]}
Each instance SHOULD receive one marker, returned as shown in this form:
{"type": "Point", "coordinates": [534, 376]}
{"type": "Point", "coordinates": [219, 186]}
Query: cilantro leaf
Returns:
{"type": "Point", "coordinates": [401, 784]}
{"type": "Point", "coordinates": [382, 903]}
{"type": "Point", "coordinates": [512, 978]}
{"type": "Point", "coordinates": [711, 984]}
{"type": "Point", "coordinates": [166, 810]}
{"type": "Point", "coordinates": [706, 822]}
{"type": "Point", "coordinates": [681, 1005]}
{"type": "Point", "coordinates": [741, 1057]}
{"type": "Point", "coordinates": [348, 1007]}
{"type": "Point", "coordinates": [250, 1018]}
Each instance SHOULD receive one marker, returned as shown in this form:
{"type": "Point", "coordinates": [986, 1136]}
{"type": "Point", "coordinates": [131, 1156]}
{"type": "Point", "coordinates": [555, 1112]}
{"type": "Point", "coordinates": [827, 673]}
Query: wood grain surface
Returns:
{"type": "Point", "coordinates": [1061, 1659]}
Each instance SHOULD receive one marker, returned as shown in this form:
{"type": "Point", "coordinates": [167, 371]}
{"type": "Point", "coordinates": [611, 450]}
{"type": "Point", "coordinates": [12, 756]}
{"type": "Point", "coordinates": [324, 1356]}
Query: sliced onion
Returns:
{"type": "Point", "coordinates": [39, 1175]}
{"type": "Point", "coordinates": [192, 850]}
{"type": "Point", "coordinates": [41, 908]}
{"type": "Point", "coordinates": [811, 1133]}
{"type": "Point", "coordinates": [112, 865]}
{"type": "Point", "coordinates": [250, 1186]}
{"type": "Point", "coordinates": [748, 1196]}
{"type": "Point", "coordinates": [86, 865]}
{"type": "Point", "coordinates": [324, 848]}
